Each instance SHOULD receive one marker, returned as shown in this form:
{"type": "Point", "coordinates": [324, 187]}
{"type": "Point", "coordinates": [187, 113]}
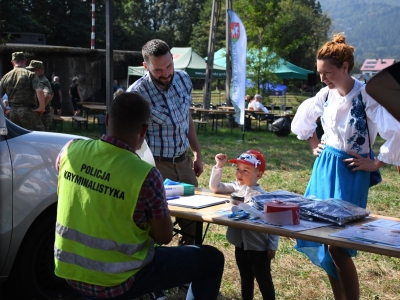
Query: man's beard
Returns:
{"type": "Point", "coordinates": [162, 84]}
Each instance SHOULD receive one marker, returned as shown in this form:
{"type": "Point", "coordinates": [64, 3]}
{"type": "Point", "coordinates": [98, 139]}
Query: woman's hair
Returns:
{"type": "Point", "coordinates": [75, 79]}
{"type": "Point", "coordinates": [337, 52]}
{"type": "Point", "coordinates": [249, 98]}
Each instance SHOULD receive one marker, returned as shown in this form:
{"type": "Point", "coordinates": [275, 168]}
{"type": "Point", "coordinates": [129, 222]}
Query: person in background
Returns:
{"type": "Point", "coordinates": [256, 104]}
{"type": "Point", "coordinates": [115, 85]}
{"type": "Point", "coordinates": [57, 98]}
{"type": "Point", "coordinates": [253, 250]}
{"type": "Point", "coordinates": [247, 100]}
{"type": "Point", "coordinates": [351, 120]}
{"type": "Point", "coordinates": [111, 254]}
{"type": "Point", "coordinates": [38, 67]}
{"type": "Point", "coordinates": [384, 87]}
{"type": "Point", "coordinates": [75, 94]}
{"type": "Point", "coordinates": [22, 87]}
{"type": "Point", "coordinates": [5, 105]}
{"type": "Point", "coordinates": [171, 128]}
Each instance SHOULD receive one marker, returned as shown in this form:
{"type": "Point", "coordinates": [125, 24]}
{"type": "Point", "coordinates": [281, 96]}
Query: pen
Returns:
{"type": "Point", "coordinates": [172, 197]}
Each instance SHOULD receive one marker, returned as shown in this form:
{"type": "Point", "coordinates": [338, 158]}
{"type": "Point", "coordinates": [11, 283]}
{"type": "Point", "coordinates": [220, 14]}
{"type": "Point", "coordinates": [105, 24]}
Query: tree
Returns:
{"type": "Point", "coordinates": [299, 31]}
{"type": "Point", "coordinates": [65, 23]}
{"type": "Point", "coordinates": [201, 31]}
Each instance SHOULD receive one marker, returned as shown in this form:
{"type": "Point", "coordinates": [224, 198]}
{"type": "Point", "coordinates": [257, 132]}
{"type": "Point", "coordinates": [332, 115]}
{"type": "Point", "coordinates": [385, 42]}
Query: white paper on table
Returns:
{"type": "Point", "coordinates": [371, 234]}
{"type": "Point", "coordinates": [197, 201]}
{"type": "Point", "coordinates": [304, 225]}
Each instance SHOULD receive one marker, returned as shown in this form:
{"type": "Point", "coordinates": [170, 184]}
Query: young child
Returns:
{"type": "Point", "coordinates": [253, 250]}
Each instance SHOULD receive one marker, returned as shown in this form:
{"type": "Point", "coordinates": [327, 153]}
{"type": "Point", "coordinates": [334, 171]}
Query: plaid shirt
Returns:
{"type": "Point", "coordinates": [151, 204]}
{"type": "Point", "coordinates": [168, 131]}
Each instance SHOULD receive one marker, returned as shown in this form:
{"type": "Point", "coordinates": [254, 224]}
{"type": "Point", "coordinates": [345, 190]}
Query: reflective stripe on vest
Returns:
{"type": "Point", "coordinates": [104, 267]}
{"type": "Point", "coordinates": [98, 243]}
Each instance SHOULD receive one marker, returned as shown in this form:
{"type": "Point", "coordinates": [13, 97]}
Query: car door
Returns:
{"type": "Point", "coordinates": [5, 194]}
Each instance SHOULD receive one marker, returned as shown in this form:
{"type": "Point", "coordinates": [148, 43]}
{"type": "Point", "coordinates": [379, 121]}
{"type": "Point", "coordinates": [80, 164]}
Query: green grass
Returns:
{"type": "Point", "coordinates": [289, 164]}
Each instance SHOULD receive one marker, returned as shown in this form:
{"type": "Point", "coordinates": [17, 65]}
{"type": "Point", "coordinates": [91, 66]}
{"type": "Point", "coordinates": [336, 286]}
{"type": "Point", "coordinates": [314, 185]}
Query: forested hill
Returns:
{"type": "Point", "coordinates": [371, 26]}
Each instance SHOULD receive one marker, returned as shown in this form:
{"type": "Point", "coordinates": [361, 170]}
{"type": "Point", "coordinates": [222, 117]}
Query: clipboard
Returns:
{"type": "Point", "coordinates": [197, 201]}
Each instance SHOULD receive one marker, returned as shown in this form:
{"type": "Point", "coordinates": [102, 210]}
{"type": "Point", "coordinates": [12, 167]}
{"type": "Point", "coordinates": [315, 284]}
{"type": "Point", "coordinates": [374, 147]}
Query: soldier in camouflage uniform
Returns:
{"type": "Point", "coordinates": [37, 67]}
{"type": "Point", "coordinates": [22, 87]}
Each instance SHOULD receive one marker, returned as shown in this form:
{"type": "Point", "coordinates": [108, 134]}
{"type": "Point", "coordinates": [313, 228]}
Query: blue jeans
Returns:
{"type": "Point", "coordinates": [200, 265]}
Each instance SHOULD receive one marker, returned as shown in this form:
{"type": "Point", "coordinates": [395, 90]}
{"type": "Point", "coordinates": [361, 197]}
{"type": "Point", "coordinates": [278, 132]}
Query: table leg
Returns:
{"type": "Point", "coordinates": [199, 233]}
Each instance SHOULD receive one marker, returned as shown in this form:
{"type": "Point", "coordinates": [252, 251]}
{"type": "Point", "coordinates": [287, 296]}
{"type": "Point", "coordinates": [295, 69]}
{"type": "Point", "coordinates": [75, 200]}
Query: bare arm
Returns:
{"type": "Point", "coordinates": [60, 95]}
{"type": "Point", "coordinates": [315, 145]}
{"type": "Point", "coordinates": [161, 230]}
{"type": "Point", "coordinates": [47, 98]}
{"type": "Point", "coordinates": [195, 146]}
{"type": "Point", "coordinates": [42, 101]}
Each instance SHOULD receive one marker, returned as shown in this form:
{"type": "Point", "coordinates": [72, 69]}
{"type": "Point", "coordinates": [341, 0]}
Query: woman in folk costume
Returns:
{"type": "Point", "coordinates": [351, 120]}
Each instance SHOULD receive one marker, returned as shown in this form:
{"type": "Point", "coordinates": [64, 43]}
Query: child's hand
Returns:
{"type": "Point", "coordinates": [220, 159]}
{"type": "Point", "coordinates": [271, 254]}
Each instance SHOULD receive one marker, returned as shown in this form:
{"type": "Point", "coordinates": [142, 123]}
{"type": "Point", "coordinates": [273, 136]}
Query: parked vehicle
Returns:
{"type": "Point", "coordinates": [28, 205]}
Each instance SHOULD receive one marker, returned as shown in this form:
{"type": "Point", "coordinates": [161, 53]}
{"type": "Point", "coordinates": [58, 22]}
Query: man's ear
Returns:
{"type": "Point", "coordinates": [144, 130]}
{"type": "Point", "coordinates": [145, 66]}
{"type": "Point", "coordinates": [260, 174]}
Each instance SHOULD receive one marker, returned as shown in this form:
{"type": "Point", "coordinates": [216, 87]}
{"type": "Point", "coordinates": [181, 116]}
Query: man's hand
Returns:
{"type": "Point", "coordinates": [39, 110]}
{"type": "Point", "coordinates": [197, 166]}
{"type": "Point", "coordinates": [358, 163]}
{"type": "Point", "coordinates": [271, 254]}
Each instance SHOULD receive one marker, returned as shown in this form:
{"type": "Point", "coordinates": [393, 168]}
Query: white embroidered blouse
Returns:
{"type": "Point", "coordinates": [343, 121]}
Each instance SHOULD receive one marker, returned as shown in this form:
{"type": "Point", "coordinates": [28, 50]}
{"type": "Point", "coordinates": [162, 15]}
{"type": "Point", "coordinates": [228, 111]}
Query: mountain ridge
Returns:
{"type": "Point", "coordinates": [372, 27]}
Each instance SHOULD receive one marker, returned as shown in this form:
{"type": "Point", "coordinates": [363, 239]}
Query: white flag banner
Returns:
{"type": "Point", "coordinates": [238, 49]}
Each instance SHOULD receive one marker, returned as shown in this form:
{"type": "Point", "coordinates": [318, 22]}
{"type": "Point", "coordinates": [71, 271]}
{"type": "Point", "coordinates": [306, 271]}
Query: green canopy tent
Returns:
{"type": "Point", "coordinates": [284, 70]}
{"type": "Point", "coordinates": [188, 60]}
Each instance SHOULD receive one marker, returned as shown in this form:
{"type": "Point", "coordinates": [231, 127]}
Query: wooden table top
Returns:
{"type": "Point", "coordinates": [320, 235]}
{"type": "Point", "coordinates": [95, 107]}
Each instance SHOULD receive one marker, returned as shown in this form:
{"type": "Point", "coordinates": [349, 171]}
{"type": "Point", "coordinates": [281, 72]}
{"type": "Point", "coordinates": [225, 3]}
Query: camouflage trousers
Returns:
{"type": "Point", "coordinates": [46, 120]}
{"type": "Point", "coordinates": [26, 118]}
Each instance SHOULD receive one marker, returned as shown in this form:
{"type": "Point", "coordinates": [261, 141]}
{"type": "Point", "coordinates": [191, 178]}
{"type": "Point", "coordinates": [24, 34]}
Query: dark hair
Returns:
{"type": "Point", "coordinates": [128, 112]}
{"type": "Point", "coordinates": [154, 48]}
{"type": "Point", "coordinates": [337, 52]}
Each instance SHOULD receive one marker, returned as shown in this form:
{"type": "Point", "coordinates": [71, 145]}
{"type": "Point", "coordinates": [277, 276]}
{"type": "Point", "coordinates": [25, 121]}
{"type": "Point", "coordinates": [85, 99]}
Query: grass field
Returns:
{"type": "Point", "coordinates": [289, 164]}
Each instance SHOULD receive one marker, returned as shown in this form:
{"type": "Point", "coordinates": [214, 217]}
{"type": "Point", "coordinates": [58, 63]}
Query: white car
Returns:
{"type": "Point", "coordinates": [28, 205]}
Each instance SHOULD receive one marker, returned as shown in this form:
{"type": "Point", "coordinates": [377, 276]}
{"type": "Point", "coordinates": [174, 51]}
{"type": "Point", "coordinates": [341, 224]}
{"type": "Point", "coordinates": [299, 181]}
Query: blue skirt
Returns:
{"type": "Point", "coordinates": [331, 178]}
